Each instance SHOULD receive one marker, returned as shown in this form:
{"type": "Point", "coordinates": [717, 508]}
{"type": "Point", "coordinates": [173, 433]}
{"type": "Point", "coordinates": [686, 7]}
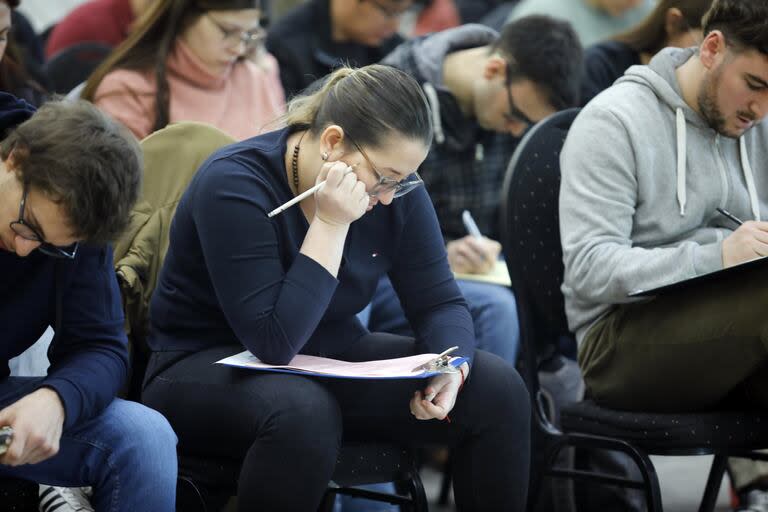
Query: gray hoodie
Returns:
{"type": "Point", "coordinates": [642, 175]}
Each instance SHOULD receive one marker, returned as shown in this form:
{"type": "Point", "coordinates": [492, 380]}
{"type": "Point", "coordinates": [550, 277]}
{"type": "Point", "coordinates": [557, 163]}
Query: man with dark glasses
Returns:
{"type": "Point", "coordinates": [486, 89]}
{"type": "Point", "coordinates": [69, 177]}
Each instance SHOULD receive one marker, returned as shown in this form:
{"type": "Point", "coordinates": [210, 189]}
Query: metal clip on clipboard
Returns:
{"type": "Point", "coordinates": [440, 364]}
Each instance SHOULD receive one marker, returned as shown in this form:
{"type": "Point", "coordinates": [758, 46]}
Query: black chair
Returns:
{"type": "Point", "coordinates": [72, 66]}
{"type": "Point", "coordinates": [531, 242]}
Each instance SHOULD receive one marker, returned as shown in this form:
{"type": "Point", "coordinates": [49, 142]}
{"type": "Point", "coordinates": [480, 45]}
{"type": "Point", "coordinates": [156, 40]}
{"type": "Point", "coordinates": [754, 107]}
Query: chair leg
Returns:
{"type": "Point", "coordinates": [418, 496]}
{"type": "Point", "coordinates": [650, 482]}
{"type": "Point", "coordinates": [715, 479]}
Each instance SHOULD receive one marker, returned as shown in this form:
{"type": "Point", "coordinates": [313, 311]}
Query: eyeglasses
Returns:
{"type": "Point", "coordinates": [27, 232]}
{"type": "Point", "coordinates": [251, 38]}
{"type": "Point", "coordinates": [387, 11]}
{"type": "Point", "coordinates": [384, 184]}
{"type": "Point", "coordinates": [514, 115]}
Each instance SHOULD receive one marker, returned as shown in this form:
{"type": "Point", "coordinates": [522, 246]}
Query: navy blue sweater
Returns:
{"type": "Point", "coordinates": [233, 274]}
{"type": "Point", "coordinates": [89, 355]}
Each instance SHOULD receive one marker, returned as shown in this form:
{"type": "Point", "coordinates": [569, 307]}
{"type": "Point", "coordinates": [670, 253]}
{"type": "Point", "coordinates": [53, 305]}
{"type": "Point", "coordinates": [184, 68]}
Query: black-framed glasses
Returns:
{"type": "Point", "coordinates": [28, 232]}
{"type": "Point", "coordinates": [251, 38]}
{"type": "Point", "coordinates": [514, 114]}
{"type": "Point", "coordinates": [384, 184]}
{"type": "Point", "coordinates": [386, 10]}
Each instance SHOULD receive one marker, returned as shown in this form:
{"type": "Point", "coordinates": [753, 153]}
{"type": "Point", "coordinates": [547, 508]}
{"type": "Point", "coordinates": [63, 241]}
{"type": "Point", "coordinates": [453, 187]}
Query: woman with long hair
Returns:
{"type": "Point", "coordinates": [191, 60]}
{"type": "Point", "coordinates": [671, 23]}
{"type": "Point", "coordinates": [14, 77]}
{"type": "Point", "coordinates": [236, 278]}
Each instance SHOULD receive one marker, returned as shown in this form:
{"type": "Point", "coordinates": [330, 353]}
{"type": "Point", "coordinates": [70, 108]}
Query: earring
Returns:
{"type": "Point", "coordinates": [324, 156]}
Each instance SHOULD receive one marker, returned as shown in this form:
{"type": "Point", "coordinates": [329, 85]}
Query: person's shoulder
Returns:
{"type": "Point", "coordinates": [125, 80]}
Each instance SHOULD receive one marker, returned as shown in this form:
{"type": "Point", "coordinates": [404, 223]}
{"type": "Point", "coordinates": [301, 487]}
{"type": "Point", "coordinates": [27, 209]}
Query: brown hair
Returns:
{"type": "Point", "coordinates": [369, 103]}
{"type": "Point", "coordinates": [82, 159]}
{"type": "Point", "coordinates": [151, 41]}
{"type": "Point", "coordinates": [744, 23]}
{"type": "Point", "coordinates": [650, 35]}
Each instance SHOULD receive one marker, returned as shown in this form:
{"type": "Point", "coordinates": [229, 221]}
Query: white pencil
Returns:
{"type": "Point", "coordinates": [296, 199]}
{"type": "Point", "coordinates": [304, 194]}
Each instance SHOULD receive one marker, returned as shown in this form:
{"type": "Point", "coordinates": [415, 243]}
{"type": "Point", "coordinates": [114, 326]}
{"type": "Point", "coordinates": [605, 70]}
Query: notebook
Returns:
{"type": "Point", "coordinates": [702, 278]}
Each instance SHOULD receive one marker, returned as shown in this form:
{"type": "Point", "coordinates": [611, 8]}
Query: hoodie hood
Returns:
{"type": "Point", "coordinates": [660, 77]}
{"type": "Point", "coordinates": [423, 58]}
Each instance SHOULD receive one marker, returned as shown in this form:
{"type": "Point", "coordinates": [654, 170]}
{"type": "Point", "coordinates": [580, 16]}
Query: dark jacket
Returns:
{"type": "Point", "coordinates": [79, 298]}
{"type": "Point", "coordinates": [604, 63]}
{"type": "Point", "coordinates": [465, 166]}
{"type": "Point", "coordinates": [301, 42]}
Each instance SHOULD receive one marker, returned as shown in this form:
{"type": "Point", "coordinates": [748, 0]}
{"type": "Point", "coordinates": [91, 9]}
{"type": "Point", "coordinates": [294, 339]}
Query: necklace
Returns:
{"type": "Point", "coordinates": [295, 163]}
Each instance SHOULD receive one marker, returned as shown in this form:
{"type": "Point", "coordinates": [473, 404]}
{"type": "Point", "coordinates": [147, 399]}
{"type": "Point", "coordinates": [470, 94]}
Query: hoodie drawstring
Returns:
{"type": "Point", "coordinates": [682, 164]}
{"type": "Point", "coordinates": [681, 160]}
{"type": "Point", "coordinates": [434, 104]}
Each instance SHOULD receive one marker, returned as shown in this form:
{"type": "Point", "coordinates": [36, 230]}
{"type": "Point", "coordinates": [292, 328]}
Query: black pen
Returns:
{"type": "Point", "coordinates": [730, 216]}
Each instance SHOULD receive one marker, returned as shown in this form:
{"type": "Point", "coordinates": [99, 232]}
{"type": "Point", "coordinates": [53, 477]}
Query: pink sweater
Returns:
{"type": "Point", "coordinates": [241, 102]}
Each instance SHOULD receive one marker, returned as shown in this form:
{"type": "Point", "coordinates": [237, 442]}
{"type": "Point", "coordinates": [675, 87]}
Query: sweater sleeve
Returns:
{"type": "Point", "coordinates": [128, 97]}
{"type": "Point", "coordinates": [598, 198]}
{"type": "Point", "coordinates": [425, 285]}
{"type": "Point", "coordinates": [89, 356]}
{"type": "Point", "coordinates": [273, 309]}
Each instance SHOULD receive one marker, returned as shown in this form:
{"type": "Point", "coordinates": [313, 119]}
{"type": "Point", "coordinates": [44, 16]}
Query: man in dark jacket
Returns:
{"type": "Point", "coordinates": [68, 179]}
{"type": "Point", "coordinates": [321, 35]}
{"type": "Point", "coordinates": [484, 88]}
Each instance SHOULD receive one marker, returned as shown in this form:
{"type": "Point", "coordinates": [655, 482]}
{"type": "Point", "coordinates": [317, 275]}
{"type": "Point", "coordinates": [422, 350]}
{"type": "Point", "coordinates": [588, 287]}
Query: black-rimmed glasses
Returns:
{"type": "Point", "coordinates": [251, 38]}
{"type": "Point", "coordinates": [28, 232]}
{"type": "Point", "coordinates": [384, 184]}
{"type": "Point", "coordinates": [514, 114]}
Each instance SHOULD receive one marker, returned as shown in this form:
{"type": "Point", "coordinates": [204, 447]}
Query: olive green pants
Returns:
{"type": "Point", "coordinates": [683, 351]}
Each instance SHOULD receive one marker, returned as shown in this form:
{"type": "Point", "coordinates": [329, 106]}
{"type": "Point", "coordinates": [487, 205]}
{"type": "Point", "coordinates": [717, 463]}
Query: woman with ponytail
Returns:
{"type": "Point", "coordinates": [192, 60]}
{"type": "Point", "coordinates": [236, 278]}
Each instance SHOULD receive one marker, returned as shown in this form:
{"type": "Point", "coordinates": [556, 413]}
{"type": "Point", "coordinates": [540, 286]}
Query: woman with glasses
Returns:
{"type": "Point", "coordinates": [192, 60]}
{"type": "Point", "coordinates": [236, 277]}
{"type": "Point", "coordinates": [671, 23]}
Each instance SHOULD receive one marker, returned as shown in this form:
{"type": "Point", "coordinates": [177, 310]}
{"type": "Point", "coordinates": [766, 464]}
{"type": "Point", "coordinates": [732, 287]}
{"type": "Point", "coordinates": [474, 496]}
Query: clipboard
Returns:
{"type": "Point", "coordinates": [413, 367]}
{"type": "Point", "coordinates": [702, 278]}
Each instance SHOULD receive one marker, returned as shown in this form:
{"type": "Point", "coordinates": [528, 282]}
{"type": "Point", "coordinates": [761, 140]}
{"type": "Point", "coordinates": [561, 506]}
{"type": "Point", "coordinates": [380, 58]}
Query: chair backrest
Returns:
{"type": "Point", "coordinates": [73, 65]}
{"type": "Point", "coordinates": [172, 155]}
{"type": "Point", "coordinates": [530, 236]}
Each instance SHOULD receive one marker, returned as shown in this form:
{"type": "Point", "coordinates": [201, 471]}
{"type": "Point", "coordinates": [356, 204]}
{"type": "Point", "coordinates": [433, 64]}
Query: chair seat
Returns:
{"type": "Point", "coordinates": [661, 433]}
{"type": "Point", "coordinates": [357, 464]}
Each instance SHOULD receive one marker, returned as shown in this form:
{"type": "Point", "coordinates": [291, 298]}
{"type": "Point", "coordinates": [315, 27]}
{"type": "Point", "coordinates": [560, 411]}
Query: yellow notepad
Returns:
{"type": "Point", "coordinates": [498, 275]}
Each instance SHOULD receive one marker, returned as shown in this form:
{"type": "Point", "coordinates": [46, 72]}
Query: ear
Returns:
{"type": "Point", "coordinates": [495, 66]}
{"type": "Point", "coordinates": [674, 22]}
{"type": "Point", "coordinates": [332, 142]}
{"type": "Point", "coordinates": [712, 49]}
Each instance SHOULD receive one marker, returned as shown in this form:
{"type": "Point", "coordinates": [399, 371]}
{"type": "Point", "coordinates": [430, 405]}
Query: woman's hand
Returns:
{"type": "Point", "coordinates": [439, 397]}
{"type": "Point", "coordinates": [343, 199]}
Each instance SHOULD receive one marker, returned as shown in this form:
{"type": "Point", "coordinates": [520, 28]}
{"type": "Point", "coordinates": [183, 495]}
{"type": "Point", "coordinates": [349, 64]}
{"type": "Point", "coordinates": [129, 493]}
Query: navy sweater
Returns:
{"type": "Point", "coordinates": [89, 356]}
{"type": "Point", "coordinates": [604, 63]}
{"type": "Point", "coordinates": [234, 275]}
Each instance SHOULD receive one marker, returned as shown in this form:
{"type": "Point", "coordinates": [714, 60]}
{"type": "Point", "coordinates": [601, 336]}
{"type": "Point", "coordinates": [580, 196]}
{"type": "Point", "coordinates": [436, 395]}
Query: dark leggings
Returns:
{"type": "Point", "coordinates": [289, 428]}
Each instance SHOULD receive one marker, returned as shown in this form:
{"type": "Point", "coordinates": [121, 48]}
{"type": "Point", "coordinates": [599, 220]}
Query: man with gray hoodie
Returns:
{"type": "Point", "coordinates": [645, 167]}
{"type": "Point", "coordinates": [484, 89]}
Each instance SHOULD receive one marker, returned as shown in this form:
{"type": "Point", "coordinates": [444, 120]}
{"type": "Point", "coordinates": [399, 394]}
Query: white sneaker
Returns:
{"type": "Point", "coordinates": [65, 499]}
{"type": "Point", "coordinates": [757, 501]}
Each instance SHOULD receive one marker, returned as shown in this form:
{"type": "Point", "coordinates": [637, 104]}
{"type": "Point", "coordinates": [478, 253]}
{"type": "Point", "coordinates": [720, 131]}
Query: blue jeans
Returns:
{"type": "Point", "coordinates": [493, 309]}
{"type": "Point", "coordinates": [127, 454]}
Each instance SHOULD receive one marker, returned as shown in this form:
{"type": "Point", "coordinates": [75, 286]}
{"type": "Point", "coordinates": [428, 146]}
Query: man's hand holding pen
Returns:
{"type": "Point", "coordinates": [471, 255]}
{"type": "Point", "coordinates": [748, 242]}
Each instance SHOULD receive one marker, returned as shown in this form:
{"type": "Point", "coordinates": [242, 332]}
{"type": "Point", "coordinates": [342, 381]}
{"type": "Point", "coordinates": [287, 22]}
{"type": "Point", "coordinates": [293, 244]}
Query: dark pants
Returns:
{"type": "Point", "coordinates": [289, 428]}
